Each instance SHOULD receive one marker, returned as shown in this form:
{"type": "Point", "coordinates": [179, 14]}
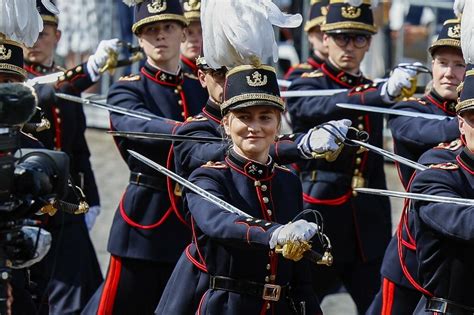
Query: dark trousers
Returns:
{"type": "Point", "coordinates": [393, 299]}
{"type": "Point", "coordinates": [132, 286]}
{"type": "Point", "coordinates": [361, 280]}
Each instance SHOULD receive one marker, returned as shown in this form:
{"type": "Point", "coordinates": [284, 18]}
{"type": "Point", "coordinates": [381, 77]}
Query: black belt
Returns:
{"type": "Point", "coordinates": [268, 292]}
{"type": "Point", "coordinates": [157, 183]}
{"type": "Point", "coordinates": [443, 306]}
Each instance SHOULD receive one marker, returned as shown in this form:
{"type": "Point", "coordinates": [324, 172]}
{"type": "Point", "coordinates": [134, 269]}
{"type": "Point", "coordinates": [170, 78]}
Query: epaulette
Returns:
{"type": "Point", "coordinates": [362, 88]}
{"type": "Point", "coordinates": [198, 117]}
{"type": "Point", "coordinates": [211, 164]}
{"type": "Point", "coordinates": [314, 74]}
{"type": "Point", "coordinates": [451, 146]}
{"type": "Point", "coordinates": [190, 75]}
{"type": "Point", "coordinates": [305, 66]}
{"type": "Point", "coordinates": [130, 77]}
{"type": "Point", "coordinates": [410, 99]}
{"type": "Point", "coordinates": [445, 166]}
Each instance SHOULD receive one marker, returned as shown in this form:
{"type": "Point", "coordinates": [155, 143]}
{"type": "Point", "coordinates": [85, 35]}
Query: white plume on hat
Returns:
{"type": "Point", "coordinates": [20, 21]}
{"type": "Point", "coordinates": [131, 3]}
{"type": "Point", "coordinates": [465, 9]}
{"type": "Point", "coordinates": [241, 32]}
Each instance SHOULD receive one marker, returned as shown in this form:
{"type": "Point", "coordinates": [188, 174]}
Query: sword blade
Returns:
{"type": "Point", "coordinates": [114, 108]}
{"type": "Point", "coordinates": [415, 196]}
{"type": "Point", "coordinates": [311, 255]}
{"type": "Point", "coordinates": [392, 156]}
{"type": "Point", "coordinates": [309, 93]}
{"type": "Point", "coordinates": [163, 136]}
{"type": "Point", "coordinates": [45, 79]}
{"type": "Point", "coordinates": [390, 111]}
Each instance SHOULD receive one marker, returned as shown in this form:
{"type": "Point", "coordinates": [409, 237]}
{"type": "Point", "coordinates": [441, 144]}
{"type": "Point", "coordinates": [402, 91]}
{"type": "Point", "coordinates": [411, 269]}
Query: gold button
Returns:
{"type": "Point", "coordinates": [356, 171]}
{"type": "Point", "coordinates": [62, 78]}
{"type": "Point", "coordinates": [56, 110]}
{"type": "Point", "coordinates": [360, 117]}
{"type": "Point", "coordinates": [264, 187]}
{"type": "Point", "coordinates": [268, 306]}
{"type": "Point", "coordinates": [265, 199]}
{"type": "Point", "coordinates": [180, 102]}
{"type": "Point", "coordinates": [267, 279]}
{"type": "Point", "coordinates": [79, 69]}
{"type": "Point", "coordinates": [268, 266]}
{"type": "Point", "coordinates": [268, 224]}
{"type": "Point", "coordinates": [69, 74]}
{"type": "Point", "coordinates": [248, 219]}
{"type": "Point", "coordinates": [58, 120]}
{"type": "Point", "coordinates": [269, 212]}
{"type": "Point", "coordinates": [258, 221]}
{"type": "Point", "coordinates": [179, 87]}
{"type": "Point", "coordinates": [176, 91]}
{"type": "Point", "coordinates": [358, 160]}
{"type": "Point", "coordinates": [182, 114]}
{"type": "Point", "coordinates": [360, 127]}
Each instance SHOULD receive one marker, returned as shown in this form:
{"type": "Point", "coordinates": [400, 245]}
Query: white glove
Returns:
{"type": "Point", "coordinates": [300, 230]}
{"type": "Point", "coordinates": [91, 215]}
{"type": "Point", "coordinates": [99, 58]}
{"type": "Point", "coordinates": [399, 79]}
{"type": "Point", "coordinates": [320, 140]}
{"type": "Point", "coordinates": [38, 236]}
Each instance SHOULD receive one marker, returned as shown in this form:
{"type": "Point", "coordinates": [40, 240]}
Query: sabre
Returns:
{"type": "Point", "coordinates": [284, 83]}
{"type": "Point", "coordinates": [391, 155]}
{"type": "Point", "coordinates": [415, 196]}
{"type": "Point", "coordinates": [45, 79]}
{"type": "Point", "coordinates": [114, 108]}
{"type": "Point", "coordinates": [163, 136]}
{"type": "Point", "coordinates": [390, 111]}
{"type": "Point", "coordinates": [311, 255]}
{"type": "Point", "coordinates": [309, 93]}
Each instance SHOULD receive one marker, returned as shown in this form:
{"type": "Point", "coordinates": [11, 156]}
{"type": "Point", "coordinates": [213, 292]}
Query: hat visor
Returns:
{"type": "Point", "coordinates": [248, 104]}
{"type": "Point", "coordinates": [350, 31]}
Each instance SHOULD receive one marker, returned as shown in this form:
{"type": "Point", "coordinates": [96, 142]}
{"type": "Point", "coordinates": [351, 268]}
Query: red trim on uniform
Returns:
{"type": "Point", "coordinates": [189, 63]}
{"type": "Point", "coordinates": [464, 166]}
{"type": "Point", "coordinates": [155, 79]}
{"type": "Point", "coordinates": [200, 303]}
{"type": "Point", "coordinates": [194, 261]}
{"type": "Point", "coordinates": [330, 202]}
{"type": "Point", "coordinates": [30, 69]}
{"type": "Point", "coordinates": [130, 222]}
{"type": "Point", "coordinates": [107, 299]}
{"type": "Point", "coordinates": [210, 116]}
{"type": "Point", "coordinates": [388, 293]}
{"type": "Point", "coordinates": [203, 261]}
{"type": "Point", "coordinates": [314, 63]}
{"type": "Point", "coordinates": [169, 184]}
{"type": "Point", "coordinates": [441, 106]}
{"type": "Point", "coordinates": [57, 129]}
{"type": "Point", "coordinates": [329, 74]}
{"type": "Point", "coordinates": [231, 165]}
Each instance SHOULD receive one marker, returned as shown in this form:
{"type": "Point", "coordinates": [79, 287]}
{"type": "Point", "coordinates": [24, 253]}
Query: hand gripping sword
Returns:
{"type": "Point", "coordinates": [311, 255]}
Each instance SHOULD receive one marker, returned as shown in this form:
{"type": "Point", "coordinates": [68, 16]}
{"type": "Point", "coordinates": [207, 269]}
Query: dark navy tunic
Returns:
{"type": "Point", "coordinates": [444, 232]}
{"type": "Point", "coordinates": [72, 256]}
{"type": "Point", "coordinates": [401, 289]}
{"type": "Point", "coordinates": [145, 225]}
{"type": "Point", "coordinates": [230, 245]}
{"type": "Point", "coordinates": [415, 135]}
{"type": "Point", "coordinates": [357, 226]}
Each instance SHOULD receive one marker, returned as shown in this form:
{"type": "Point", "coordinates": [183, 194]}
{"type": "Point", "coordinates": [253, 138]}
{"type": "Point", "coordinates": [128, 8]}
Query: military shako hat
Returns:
{"type": "Point", "coordinates": [11, 57]}
{"type": "Point", "coordinates": [151, 11]}
{"type": "Point", "coordinates": [344, 17]}
{"type": "Point", "coordinates": [192, 10]}
{"type": "Point", "coordinates": [47, 15]}
{"type": "Point", "coordinates": [317, 14]}
{"type": "Point", "coordinates": [248, 86]}
{"type": "Point", "coordinates": [466, 99]}
{"type": "Point", "coordinates": [449, 36]}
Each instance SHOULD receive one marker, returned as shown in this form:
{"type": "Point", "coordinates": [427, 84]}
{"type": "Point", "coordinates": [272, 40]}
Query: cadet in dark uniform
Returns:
{"type": "Point", "coordinates": [147, 236]}
{"type": "Point", "coordinates": [400, 291]}
{"type": "Point", "coordinates": [287, 149]}
{"type": "Point", "coordinates": [444, 232]}
{"type": "Point", "coordinates": [359, 226]}
{"type": "Point", "coordinates": [231, 266]}
{"type": "Point", "coordinates": [319, 53]}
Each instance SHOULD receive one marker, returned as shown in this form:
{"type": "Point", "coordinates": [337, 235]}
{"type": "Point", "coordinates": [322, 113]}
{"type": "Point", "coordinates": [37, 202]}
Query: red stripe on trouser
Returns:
{"type": "Point", "coordinates": [107, 300]}
{"type": "Point", "coordinates": [388, 292]}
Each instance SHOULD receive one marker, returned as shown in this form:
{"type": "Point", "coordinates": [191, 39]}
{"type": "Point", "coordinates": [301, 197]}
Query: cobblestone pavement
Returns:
{"type": "Point", "coordinates": [112, 176]}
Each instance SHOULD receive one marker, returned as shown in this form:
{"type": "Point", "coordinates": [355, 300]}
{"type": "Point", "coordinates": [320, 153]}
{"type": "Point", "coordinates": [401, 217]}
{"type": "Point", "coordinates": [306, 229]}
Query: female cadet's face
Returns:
{"type": "Point", "coordinates": [253, 130]}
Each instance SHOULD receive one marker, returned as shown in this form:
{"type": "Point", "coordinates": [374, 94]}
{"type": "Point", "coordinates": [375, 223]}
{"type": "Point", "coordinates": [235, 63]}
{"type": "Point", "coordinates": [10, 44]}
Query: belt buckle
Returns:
{"type": "Point", "coordinates": [358, 181]}
{"type": "Point", "coordinates": [271, 292]}
{"type": "Point", "coordinates": [137, 178]}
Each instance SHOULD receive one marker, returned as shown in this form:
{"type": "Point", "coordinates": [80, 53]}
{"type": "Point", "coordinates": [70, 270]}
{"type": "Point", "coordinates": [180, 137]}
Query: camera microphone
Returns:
{"type": "Point", "coordinates": [17, 103]}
